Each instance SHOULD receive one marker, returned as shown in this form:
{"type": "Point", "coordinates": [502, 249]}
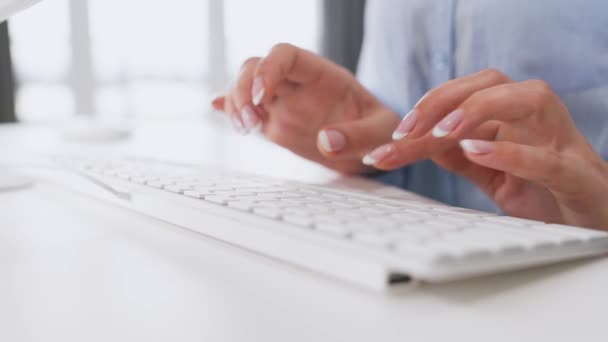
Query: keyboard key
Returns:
{"type": "Point", "coordinates": [197, 193]}
{"type": "Point", "coordinates": [511, 220]}
{"type": "Point", "coordinates": [307, 192]}
{"type": "Point", "coordinates": [363, 226]}
{"type": "Point", "coordinates": [417, 234]}
{"type": "Point", "coordinates": [372, 239]}
{"type": "Point", "coordinates": [157, 183]}
{"type": "Point", "coordinates": [320, 208]}
{"type": "Point", "coordinates": [223, 200]}
{"type": "Point", "coordinates": [349, 214]}
{"type": "Point", "coordinates": [176, 188]}
{"type": "Point", "coordinates": [340, 205]}
{"type": "Point", "coordinates": [581, 233]}
{"type": "Point", "coordinates": [381, 222]}
{"type": "Point", "coordinates": [527, 237]}
{"type": "Point", "coordinates": [287, 195]}
{"type": "Point", "coordinates": [333, 229]}
{"type": "Point", "coordinates": [375, 210]}
{"type": "Point", "coordinates": [267, 212]}
{"type": "Point", "coordinates": [455, 210]}
{"type": "Point", "coordinates": [455, 221]}
{"type": "Point", "coordinates": [299, 211]}
{"type": "Point", "coordinates": [289, 202]}
{"type": "Point", "coordinates": [328, 218]}
{"type": "Point", "coordinates": [487, 241]}
{"type": "Point", "coordinates": [443, 226]}
{"type": "Point", "coordinates": [410, 216]}
{"type": "Point", "coordinates": [298, 220]}
{"type": "Point", "coordinates": [264, 197]}
{"type": "Point", "coordinates": [357, 202]}
{"type": "Point", "coordinates": [333, 197]}
{"type": "Point", "coordinates": [242, 205]}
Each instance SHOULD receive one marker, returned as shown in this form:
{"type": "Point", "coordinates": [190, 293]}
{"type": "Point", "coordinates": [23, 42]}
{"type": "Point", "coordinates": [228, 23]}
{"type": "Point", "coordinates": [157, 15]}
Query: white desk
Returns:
{"type": "Point", "coordinates": [75, 269]}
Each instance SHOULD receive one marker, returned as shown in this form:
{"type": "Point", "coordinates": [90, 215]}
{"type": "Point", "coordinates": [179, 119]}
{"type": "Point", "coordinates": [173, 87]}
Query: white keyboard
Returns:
{"type": "Point", "coordinates": [362, 239]}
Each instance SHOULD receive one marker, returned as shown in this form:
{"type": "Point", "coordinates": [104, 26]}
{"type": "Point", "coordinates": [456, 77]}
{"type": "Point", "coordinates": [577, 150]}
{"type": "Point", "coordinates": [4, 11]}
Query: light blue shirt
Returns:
{"type": "Point", "coordinates": [411, 46]}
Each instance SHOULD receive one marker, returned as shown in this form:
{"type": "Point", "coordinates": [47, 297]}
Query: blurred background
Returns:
{"type": "Point", "coordinates": [145, 59]}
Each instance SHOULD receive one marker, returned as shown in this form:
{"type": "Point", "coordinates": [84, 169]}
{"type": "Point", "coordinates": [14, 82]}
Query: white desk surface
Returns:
{"type": "Point", "coordinates": [76, 269]}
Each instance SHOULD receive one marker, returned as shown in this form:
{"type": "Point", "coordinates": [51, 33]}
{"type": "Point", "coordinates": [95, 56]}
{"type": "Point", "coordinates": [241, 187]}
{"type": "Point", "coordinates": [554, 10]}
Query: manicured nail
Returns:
{"type": "Point", "coordinates": [477, 146]}
{"type": "Point", "coordinates": [375, 156]}
{"type": "Point", "coordinates": [447, 125]}
{"type": "Point", "coordinates": [406, 125]}
{"type": "Point", "coordinates": [257, 91]}
{"type": "Point", "coordinates": [331, 140]}
{"type": "Point", "coordinates": [238, 125]}
{"type": "Point", "coordinates": [249, 117]}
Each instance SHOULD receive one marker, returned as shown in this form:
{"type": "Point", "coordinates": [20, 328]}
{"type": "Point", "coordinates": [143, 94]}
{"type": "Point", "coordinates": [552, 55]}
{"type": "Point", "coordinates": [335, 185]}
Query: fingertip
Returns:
{"type": "Point", "coordinates": [250, 118]}
{"type": "Point", "coordinates": [257, 90]}
{"type": "Point", "coordinates": [379, 155]}
{"type": "Point", "coordinates": [331, 141]}
{"type": "Point", "coordinates": [218, 103]}
{"type": "Point", "coordinates": [477, 147]}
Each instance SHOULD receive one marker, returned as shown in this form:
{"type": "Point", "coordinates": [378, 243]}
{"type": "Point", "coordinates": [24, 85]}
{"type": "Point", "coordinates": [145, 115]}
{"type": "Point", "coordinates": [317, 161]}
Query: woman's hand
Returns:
{"type": "Point", "coordinates": [301, 101]}
{"type": "Point", "coordinates": [516, 141]}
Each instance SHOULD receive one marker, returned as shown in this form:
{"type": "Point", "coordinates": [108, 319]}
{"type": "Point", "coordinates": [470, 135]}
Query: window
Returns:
{"type": "Point", "coordinates": [144, 58]}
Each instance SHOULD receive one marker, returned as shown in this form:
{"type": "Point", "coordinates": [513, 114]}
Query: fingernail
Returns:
{"type": "Point", "coordinates": [447, 125]}
{"type": "Point", "coordinates": [257, 91]}
{"type": "Point", "coordinates": [331, 140]}
{"type": "Point", "coordinates": [249, 117]}
{"type": "Point", "coordinates": [238, 125]}
{"type": "Point", "coordinates": [406, 125]}
{"type": "Point", "coordinates": [375, 156]}
{"type": "Point", "coordinates": [477, 146]}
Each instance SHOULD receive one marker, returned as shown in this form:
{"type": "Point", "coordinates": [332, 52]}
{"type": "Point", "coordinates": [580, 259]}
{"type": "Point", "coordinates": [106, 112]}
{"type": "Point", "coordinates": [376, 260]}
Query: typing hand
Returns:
{"type": "Point", "coordinates": [302, 101]}
{"type": "Point", "coordinates": [516, 141]}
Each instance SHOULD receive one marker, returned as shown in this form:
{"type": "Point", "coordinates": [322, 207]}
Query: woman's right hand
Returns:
{"type": "Point", "coordinates": [310, 106]}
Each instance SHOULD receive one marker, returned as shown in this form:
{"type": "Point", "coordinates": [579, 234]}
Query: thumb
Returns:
{"type": "Point", "coordinates": [355, 138]}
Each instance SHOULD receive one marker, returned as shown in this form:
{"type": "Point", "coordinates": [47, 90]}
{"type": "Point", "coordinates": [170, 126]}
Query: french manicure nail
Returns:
{"type": "Point", "coordinates": [257, 91]}
{"type": "Point", "coordinates": [375, 156]}
{"type": "Point", "coordinates": [406, 125]}
{"type": "Point", "coordinates": [477, 146]}
{"type": "Point", "coordinates": [249, 117]}
{"type": "Point", "coordinates": [331, 140]}
{"type": "Point", "coordinates": [447, 125]}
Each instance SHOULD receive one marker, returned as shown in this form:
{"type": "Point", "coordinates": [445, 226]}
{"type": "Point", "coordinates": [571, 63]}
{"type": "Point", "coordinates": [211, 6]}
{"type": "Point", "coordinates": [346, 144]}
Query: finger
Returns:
{"type": "Point", "coordinates": [437, 103]}
{"type": "Point", "coordinates": [241, 95]}
{"type": "Point", "coordinates": [484, 178]}
{"type": "Point", "coordinates": [408, 151]}
{"type": "Point", "coordinates": [285, 62]}
{"type": "Point", "coordinates": [218, 103]}
{"type": "Point", "coordinates": [506, 102]}
{"type": "Point", "coordinates": [356, 137]}
{"type": "Point", "coordinates": [536, 164]}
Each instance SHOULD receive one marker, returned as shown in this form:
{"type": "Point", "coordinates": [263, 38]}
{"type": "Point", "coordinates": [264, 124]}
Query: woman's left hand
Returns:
{"type": "Point", "coordinates": [515, 140]}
